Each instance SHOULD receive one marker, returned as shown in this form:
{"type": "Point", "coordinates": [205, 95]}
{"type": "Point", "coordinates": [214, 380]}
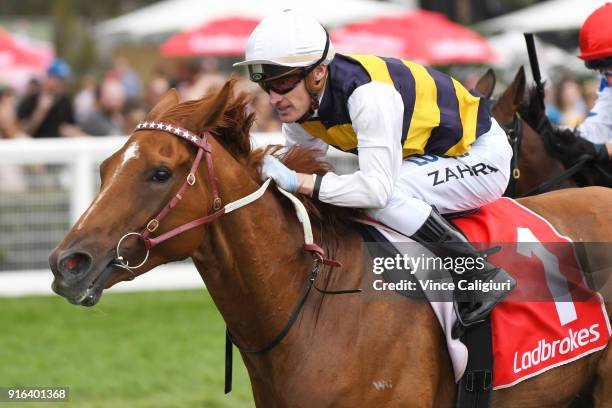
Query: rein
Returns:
{"type": "Point", "coordinates": [548, 184]}
{"type": "Point", "coordinates": [230, 340]}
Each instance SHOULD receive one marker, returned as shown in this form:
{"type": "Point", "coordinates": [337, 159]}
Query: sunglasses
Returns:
{"type": "Point", "coordinates": [284, 84]}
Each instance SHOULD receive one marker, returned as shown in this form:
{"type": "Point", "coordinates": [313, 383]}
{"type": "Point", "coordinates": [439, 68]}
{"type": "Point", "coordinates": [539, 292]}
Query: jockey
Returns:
{"type": "Point", "coordinates": [424, 143]}
{"type": "Point", "coordinates": [596, 51]}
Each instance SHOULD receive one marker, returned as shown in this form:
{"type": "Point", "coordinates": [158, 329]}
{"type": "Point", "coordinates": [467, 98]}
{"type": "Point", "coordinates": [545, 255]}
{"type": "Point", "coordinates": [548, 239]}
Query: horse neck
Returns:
{"type": "Point", "coordinates": [252, 260]}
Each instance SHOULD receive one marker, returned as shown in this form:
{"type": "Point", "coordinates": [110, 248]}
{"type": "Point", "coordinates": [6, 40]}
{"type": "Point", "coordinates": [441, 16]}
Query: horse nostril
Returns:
{"type": "Point", "coordinates": [75, 264]}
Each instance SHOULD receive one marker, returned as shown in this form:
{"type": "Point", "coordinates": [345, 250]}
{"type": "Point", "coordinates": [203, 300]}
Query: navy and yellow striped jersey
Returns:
{"type": "Point", "coordinates": [440, 116]}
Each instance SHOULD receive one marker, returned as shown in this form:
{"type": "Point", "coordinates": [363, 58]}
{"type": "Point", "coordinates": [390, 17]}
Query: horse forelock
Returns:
{"type": "Point", "coordinates": [563, 144]}
{"type": "Point", "coordinates": [224, 113]}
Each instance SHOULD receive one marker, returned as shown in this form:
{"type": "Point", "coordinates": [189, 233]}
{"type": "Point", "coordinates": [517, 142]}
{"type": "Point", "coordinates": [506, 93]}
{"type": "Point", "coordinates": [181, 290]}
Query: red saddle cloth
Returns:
{"type": "Point", "coordinates": [551, 317]}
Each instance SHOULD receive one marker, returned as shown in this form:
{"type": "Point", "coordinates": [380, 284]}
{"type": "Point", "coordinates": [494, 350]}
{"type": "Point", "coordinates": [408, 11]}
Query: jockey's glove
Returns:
{"type": "Point", "coordinates": [284, 177]}
{"type": "Point", "coordinates": [601, 152]}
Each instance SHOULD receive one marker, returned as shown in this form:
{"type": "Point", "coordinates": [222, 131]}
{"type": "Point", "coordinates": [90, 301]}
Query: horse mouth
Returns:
{"type": "Point", "coordinates": [92, 294]}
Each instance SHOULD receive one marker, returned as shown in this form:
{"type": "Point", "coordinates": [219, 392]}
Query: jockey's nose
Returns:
{"type": "Point", "coordinates": [275, 98]}
{"type": "Point", "coordinates": [73, 265]}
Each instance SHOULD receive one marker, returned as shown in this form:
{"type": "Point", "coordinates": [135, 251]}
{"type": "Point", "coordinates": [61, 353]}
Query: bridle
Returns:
{"type": "Point", "coordinates": [514, 132]}
{"type": "Point", "coordinates": [205, 150]}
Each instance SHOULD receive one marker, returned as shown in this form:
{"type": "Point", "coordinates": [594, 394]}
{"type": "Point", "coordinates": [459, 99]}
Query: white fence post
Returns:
{"type": "Point", "coordinates": [81, 190]}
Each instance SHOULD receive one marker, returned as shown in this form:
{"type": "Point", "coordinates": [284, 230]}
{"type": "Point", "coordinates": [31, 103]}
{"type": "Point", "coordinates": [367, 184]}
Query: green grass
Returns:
{"type": "Point", "coordinates": [148, 349]}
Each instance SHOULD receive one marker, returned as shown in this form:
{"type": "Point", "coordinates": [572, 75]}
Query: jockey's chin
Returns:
{"type": "Point", "coordinates": [288, 114]}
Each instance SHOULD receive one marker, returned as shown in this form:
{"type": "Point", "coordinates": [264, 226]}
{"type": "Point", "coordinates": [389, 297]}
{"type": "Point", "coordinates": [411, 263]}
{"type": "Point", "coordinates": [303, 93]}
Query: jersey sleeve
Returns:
{"type": "Point", "coordinates": [597, 127]}
{"type": "Point", "coordinates": [296, 135]}
{"type": "Point", "coordinates": [376, 110]}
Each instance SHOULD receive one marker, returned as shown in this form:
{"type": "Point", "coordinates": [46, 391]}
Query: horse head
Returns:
{"type": "Point", "coordinates": [506, 107]}
{"type": "Point", "coordinates": [136, 184]}
{"type": "Point", "coordinates": [533, 164]}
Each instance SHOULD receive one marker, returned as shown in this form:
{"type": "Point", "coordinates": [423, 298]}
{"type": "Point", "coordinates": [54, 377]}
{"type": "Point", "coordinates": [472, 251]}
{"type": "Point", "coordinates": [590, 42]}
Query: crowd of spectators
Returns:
{"type": "Point", "coordinates": [568, 101]}
{"type": "Point", "coordinates": [59, 105]}
{"type": "Point", "coordinates": [112, 104]}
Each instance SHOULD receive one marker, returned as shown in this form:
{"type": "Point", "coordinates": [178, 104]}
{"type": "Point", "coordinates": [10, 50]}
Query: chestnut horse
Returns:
{"type": "Point", "coordinates": [546, 158]}
{"type": "Point", "coordinates": [343, 351]}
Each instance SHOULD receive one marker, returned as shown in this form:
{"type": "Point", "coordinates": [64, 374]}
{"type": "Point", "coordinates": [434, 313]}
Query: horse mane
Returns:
{"type": "Point", "coordinates": [310, 161]}
{"type": "Point", "coordinates": [228, 118]}
{"type": "Point", "coordinates": [231, 124]}
{"type": "Point", "coordinates": [563, 144]}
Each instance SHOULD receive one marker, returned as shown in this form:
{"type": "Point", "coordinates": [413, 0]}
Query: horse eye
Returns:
{"type": "Point", "coordinates": [161, 174]}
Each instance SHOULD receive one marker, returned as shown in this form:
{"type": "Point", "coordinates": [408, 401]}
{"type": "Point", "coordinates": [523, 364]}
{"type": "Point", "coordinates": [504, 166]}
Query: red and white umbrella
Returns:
{"type": "Point", "coordinates": [21, 60]}
{"type": "Point", "coordinates": [16, 54]}
{"type": "Point", "coordinates": [422, 36]}
{"type": "Point", "coordinates": [221, 37]}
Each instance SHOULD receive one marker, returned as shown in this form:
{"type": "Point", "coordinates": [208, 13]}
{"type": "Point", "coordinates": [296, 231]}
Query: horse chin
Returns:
{"type": "Point", "coordinates": [89, 298]}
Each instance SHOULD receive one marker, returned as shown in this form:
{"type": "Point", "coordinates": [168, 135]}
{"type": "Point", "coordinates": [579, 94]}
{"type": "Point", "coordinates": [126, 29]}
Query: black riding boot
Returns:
{"type": "Point", "coordinates": [441, 238]}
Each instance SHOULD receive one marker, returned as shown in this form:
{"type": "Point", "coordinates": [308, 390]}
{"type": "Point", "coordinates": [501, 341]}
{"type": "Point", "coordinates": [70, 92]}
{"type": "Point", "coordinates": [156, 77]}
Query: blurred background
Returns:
{"type": "Point", "coordinates": [76, 76]}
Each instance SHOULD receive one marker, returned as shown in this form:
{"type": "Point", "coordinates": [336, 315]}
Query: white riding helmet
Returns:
{"type": "Point", "coordinates": [289, 39]}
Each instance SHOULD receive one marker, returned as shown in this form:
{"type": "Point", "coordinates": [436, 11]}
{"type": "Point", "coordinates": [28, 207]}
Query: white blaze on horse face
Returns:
{"type": "Point", "coordinates": [130, 153]}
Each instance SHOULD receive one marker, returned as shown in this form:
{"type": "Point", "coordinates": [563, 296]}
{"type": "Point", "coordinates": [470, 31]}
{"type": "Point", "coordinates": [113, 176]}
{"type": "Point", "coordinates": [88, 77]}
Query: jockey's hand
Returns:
{"type": "Point", "coordinates": [284, 177]}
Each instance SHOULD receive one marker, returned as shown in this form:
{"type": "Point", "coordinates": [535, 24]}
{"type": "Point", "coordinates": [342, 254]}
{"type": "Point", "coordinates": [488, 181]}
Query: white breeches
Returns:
{"type": "Point", "coordinates": [451, 184]}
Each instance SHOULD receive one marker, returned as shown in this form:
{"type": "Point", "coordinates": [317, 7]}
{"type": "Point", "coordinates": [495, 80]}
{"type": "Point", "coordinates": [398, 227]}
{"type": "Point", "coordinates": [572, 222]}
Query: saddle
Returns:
{"type": "Point", "coordinates": [538, 326]}
{"type": "Point", "coordinates": [472, 353]}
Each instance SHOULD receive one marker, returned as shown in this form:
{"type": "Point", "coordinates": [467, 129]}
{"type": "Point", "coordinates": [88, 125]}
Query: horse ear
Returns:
{"type": "Point", "coordinates": [509, 101]}
{"type": "Point", "coordinates": [486, 84]}
{"type": "Point", "coordinates": [167, 101]}
{"type": "Point", "coordinates": [211, 115]}
{"type": "Point", "coordinates": [521, 84]}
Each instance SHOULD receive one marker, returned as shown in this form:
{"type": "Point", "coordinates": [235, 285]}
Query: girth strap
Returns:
{"type": "Point", "coordinates": [476, 385]}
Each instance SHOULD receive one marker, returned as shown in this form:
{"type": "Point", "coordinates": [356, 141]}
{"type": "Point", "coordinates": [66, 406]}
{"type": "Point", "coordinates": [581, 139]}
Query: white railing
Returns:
{"type": "Point", "coordinates": [79, 158]}
{"type": "Point", "coordinates": [83, 154]}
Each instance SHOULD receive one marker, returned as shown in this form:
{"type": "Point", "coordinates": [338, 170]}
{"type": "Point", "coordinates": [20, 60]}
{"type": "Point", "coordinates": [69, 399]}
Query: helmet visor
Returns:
{"type": "Point", "coordinates": [266, 72]}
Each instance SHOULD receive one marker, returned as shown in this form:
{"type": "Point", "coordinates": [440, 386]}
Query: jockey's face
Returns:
{"type": "Point", "coordinates": [292, 105]}
{"type": "Point", "coordinates": [607, 72]}
{"type": "Point", "coordinates": [295, 103]}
